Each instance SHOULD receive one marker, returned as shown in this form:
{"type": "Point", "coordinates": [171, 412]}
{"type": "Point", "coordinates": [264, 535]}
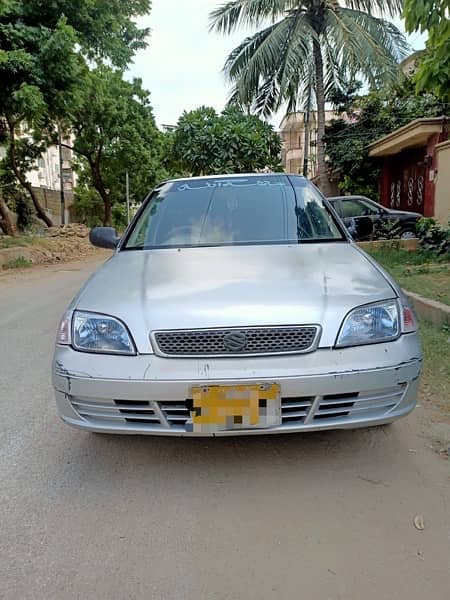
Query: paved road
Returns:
{"type": "Point", "coordinates": [320, 516]}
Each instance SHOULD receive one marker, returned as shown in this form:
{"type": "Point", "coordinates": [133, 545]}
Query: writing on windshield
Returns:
{"type": "Point", "coordinates": [222, 211]}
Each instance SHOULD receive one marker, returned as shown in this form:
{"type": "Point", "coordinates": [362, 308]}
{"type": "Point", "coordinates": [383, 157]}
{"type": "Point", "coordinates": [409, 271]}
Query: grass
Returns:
{"type": "Point", "coordinates": [436, 371]}
{"type": "Point", "coordinates": [20, 240]}
{"type": "Point", "coordinates": [17, 263]}
{"type": "Point", "coordinates": [420, 271]}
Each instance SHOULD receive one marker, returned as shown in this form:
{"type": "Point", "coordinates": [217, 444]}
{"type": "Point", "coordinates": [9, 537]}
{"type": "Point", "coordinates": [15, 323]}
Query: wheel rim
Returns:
{"type": "Point", "coordinates": [408, 235]}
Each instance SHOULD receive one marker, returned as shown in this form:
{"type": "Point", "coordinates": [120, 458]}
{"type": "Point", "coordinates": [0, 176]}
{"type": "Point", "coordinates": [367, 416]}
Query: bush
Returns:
{"type": "Point", "coordinates": [433, 236]}
{"type": "Point", "coordinates": [361, 186]}
{"type": "Point", "coordinates": [88, 207]}
{"type": "Point", "coordinates": [119, 216]}
{"type": "Point", "coordinates": [385, 230]}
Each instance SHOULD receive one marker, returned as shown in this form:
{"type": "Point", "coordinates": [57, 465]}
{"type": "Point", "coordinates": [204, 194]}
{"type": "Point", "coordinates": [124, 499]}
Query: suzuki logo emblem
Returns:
{"type": "Point", "coordinates": [235, 342]}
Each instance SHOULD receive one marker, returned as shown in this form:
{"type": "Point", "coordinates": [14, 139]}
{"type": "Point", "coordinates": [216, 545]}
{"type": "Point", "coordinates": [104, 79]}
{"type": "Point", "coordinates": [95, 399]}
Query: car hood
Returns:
{"type": "Point", "coordinates": [234, 286]}
{"type": "Point", "coordinates": [404, 213]}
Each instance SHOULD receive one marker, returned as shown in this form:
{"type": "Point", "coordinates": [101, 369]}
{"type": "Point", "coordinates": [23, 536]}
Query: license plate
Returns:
{"type": "Point", "coordinates": [230, 407]}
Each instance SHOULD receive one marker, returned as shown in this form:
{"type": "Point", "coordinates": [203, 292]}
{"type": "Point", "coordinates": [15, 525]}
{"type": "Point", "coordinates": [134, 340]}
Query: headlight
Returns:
{"type": "Point", "coordinates": [101, 334]}
{"type": "Point", "coordinates": [370, 324]}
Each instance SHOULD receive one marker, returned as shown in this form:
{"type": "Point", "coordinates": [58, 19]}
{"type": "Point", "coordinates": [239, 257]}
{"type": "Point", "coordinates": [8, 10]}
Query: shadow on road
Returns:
{"type": "Point", "coordinates": [109, 460]}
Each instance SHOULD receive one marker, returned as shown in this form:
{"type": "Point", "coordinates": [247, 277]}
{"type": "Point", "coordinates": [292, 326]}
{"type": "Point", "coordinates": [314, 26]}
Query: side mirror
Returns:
{"type": "Point", "coordinates": [364, 227]}
{"type": "Point", "coordinates": [104, 237]}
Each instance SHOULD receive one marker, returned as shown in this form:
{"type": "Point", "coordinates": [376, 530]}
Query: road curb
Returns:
{"type": "Point", "coordinates": [430, 310]}
{"type": "Point", "coordinates": [410, 245]}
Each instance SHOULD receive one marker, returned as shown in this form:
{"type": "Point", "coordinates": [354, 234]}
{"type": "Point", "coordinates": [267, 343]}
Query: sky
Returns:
{"type": "Point", "coordinates": [183, 62]}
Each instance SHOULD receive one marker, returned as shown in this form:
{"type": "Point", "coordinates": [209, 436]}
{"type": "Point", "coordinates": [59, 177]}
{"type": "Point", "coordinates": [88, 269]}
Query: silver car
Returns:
{"type": "Point", "coordinates": [236, 305]}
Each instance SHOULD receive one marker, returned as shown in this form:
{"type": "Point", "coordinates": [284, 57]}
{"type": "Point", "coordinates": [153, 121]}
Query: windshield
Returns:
{"type": "Point", "coordinates": [228, 211]}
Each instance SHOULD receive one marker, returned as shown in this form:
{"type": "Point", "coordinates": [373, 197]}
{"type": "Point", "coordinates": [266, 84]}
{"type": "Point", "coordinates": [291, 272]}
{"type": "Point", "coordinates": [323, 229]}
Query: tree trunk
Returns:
{"type": "Point", "coordinates": [323, 181]}
{"type": "Point", "coordinates": [307, 134]}
{"type": "Point", "coordinates": [22, 179]}
{"type": "Point", "coordinates": [101, 189]}
{"type": "Point", "coordinates": [6, 222]}
{"type": "Point", "coordinates": [107, 208]}
{"type": "Point", "coordinates": [107, 217]}
{"type": "Point", "coordinates": [99, 185]}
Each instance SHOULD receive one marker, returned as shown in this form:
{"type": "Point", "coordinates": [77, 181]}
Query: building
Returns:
{"type": "Point", "coordinates": [292, 132]}
{"type": "Point", "coordinates": [416, 162]}
{"type": "Point", "coordinates": [409, 64]}
{"type": "Point", "coordinates": [47, 174]}
{"type": "Point", "coordinates": [416, 167]}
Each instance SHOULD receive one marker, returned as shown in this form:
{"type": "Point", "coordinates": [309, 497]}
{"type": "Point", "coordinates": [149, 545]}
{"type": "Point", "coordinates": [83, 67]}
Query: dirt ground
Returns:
{"type": "Point", "coordinates": [57, 245]}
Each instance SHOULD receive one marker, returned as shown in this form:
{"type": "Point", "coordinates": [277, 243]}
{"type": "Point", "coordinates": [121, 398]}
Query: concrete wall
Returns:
{"type": "Point", "coordinates": [442, 178]}
{"type": "Point", "coordinates": [51, 202]}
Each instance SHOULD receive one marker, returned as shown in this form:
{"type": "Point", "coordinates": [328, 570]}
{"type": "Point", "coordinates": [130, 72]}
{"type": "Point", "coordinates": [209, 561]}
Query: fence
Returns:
{"type": "Point", "coordinates": [51, 202]}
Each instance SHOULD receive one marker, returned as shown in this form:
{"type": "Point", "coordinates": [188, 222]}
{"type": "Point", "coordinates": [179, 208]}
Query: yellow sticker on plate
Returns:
{"type": "Point", "coordinates": [228, 407]}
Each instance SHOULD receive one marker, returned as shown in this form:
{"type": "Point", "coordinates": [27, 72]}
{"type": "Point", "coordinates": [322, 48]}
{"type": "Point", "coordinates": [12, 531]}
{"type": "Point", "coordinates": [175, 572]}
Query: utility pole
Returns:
{"type": "Point", "coordinates": [127, 187]}
{"type": "Point", "coordinates": [61, 178]}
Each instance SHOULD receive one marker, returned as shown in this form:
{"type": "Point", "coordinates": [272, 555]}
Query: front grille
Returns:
{"type": "Point", "coordinates": [295, 411]}
{"type": "Point", "coordinates": [292, 409]}
{"type": "Point", "coordinates": [246, 341]}
{"type": "Point", "coordinates": [176, 413]}
{"type": "Point", "coordinates": [117, 411]}
{"type": "Point", "coordinates": [358, 405]}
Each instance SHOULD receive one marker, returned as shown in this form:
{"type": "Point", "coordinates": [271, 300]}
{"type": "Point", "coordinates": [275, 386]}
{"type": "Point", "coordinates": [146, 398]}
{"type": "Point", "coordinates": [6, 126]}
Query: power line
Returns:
{"type": "Point", "coordinates": [347, 133]}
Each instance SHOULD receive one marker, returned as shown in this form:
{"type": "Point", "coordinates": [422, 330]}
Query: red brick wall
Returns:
{"type": "Point", "coordinates": [430, 186]}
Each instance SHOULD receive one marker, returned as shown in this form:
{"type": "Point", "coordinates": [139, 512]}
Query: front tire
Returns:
{"type": "Point", "coordinates": [408, 234]}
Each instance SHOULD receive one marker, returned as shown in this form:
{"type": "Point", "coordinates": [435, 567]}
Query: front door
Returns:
{"type": "Point", "coordinates": [407, 181]}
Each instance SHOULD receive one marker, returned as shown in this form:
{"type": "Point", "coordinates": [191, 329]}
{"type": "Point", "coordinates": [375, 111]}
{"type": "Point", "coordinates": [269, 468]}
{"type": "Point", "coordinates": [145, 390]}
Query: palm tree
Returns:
{"type": "Point", "coordinates": [334, 41]}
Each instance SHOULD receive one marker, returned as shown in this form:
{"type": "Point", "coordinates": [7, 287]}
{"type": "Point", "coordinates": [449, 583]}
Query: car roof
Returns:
{"type": "Point", "coordinates": [354, 197]}
{"type": "Point", "coordinates": [234, 176]}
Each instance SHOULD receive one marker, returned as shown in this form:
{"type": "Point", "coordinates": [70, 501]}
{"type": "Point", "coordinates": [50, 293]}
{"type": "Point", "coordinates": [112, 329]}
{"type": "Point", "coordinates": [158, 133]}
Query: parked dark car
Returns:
{"type": "Point", "coordinates": [350, 208]}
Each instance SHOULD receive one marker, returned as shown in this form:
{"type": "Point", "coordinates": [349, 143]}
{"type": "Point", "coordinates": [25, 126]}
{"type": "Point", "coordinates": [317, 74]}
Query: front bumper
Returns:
{"type": "Point", "coordinates": [327, 389]}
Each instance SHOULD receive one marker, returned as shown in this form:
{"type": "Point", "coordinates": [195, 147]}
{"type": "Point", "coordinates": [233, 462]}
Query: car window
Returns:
{"type": "Point", "coordinates": [226, 211]}
{"type": "Point", "coordinates": [358, 208]}
{"type": "Point", "coordinates": [313, 219]}
{"type": "Point", "coordinates": [336, 204]}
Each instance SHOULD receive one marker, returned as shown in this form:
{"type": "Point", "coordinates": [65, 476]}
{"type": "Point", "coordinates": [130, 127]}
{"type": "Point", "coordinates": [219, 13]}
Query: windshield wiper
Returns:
{"type": "Point", "coordinates": [133, 248]}
{"type": "Point", "coordinates": [319, 239]}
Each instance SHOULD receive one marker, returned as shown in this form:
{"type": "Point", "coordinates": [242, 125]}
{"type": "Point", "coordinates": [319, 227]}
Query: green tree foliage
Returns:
{"type": "Point", "coordinates": [44, 47]}
{"type": "Point", "coordinates": [206, 143]}
{"type": "Point", "coordinates": [30, 88]}
{"type": "Point", "coordinates": [106, 29]}
{"type": "Point", "coordinates": [115, 132]}
{"type": "Point", "coordinates": [366, 119]}
{"type": "Point", "coordinates": [88, 206]}
{"type": "Point", "coordinates": [305, 46]}
{"type": "Point", "coordinates": [434, 69]}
